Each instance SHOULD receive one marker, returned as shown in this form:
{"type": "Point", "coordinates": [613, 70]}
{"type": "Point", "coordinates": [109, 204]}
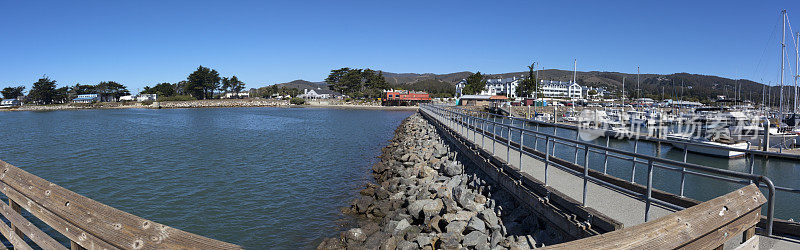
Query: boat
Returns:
{"type": "Point", "coordinates": [714, 148]}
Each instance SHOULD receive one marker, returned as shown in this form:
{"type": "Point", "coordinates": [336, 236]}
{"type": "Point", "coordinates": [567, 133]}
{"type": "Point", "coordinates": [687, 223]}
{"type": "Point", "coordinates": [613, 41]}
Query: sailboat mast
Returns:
{"type": "Point", "coordinates": [623, 90]}
{"type": "Point", "coordinates": [638, 89]}
{"type": "Point", "coordinates": [796, 69]}
{"type": "Point", "coordinates": [783, 58]}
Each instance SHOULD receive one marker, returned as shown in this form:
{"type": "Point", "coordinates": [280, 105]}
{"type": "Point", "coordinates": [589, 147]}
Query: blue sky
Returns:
{"type": "Point", "coordinates": [267, 42]}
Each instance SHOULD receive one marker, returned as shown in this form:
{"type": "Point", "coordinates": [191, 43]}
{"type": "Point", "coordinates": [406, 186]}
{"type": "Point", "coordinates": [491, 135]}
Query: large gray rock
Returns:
{"type": "Point", "coordinates": [475, 238]}
{"type": "Point", "coordinates": [490, 218]}
{"type": "Point", "coordinates": [355, 235]}
{"type": "Point", "coordinates": [433, 208]}
{"type": "Point", "coordinates": [401, 225]}
{"type": "Point", "coordinates": [406, 245]}
{"type": "Point", "coordinates": [452, 169]}
{"type": "Point", "coordinates": [460, 215]}
{"type": "Point", "coordinates": [415, 207]}
{"type": "Point", "coordinates": [476, 224]}
{"type": "Point", "coordinates": [451, 240]}
{"type": "Point", "coordinates": [456, 227]}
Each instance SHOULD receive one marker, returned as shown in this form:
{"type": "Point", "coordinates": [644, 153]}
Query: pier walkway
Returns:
{"type": "Point", "coordinates": [622, 207]}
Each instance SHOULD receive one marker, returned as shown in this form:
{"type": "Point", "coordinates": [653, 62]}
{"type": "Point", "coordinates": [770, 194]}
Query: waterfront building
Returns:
{"type": "Point", "coordinates": [481, 100]}
{"type": "Point", "coordinates": [87, 98]}
{"type": "Point", "coordinates": [559, 89]}
{"type": "Point", "coordinates": [318, 93]}
{"type": "Point", "coordinates": [404, 97]}
{"type": "Point", "coordinates": [147, 97]}
{"type": "Point", "coordinates": [506, 87]}
{"type": "Point", "coordinates": [127, 98]}
{"type": "Point", "coordinates": [11, 103]}
{"type": "Point", "coordinates": [231, 95]}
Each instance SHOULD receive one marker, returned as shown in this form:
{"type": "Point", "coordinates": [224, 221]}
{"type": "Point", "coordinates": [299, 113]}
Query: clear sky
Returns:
{"type": "Point", "coordinates": [140, 43]}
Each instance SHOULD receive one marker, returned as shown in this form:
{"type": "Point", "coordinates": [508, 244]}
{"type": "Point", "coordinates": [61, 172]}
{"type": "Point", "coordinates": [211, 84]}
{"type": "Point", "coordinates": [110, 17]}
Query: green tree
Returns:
{"type": "Point", "coordinates": [163, 89]}
{"type": "Point", "coordinates": [475, 84]}
{"type": "Point", "coordinates": [43, 91]}
{"type": "Point", "coordinates": [233, 84]}
{"type": "Point", "coordinates": [62, 95]}
{"type": "Point", "coordinates": [530, 85]}
{"type": "Point", "coordinates": [202, 83]}
{"type": "Point", "coordinates": [591, 93]}
{"type": "Point", "coordinates": [111, 91]}
{"type": "Point", "coordinates": [13, 92]}
{"type": "Point", "coordinates": [80, 89]}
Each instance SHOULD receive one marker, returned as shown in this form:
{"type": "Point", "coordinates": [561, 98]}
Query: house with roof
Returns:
{"type": "Point", "coordinates": [318, 93]}
{"type": "Point", "coordinates": [506, 87]}
{"type": "Point", "coordinates": [559, 89]}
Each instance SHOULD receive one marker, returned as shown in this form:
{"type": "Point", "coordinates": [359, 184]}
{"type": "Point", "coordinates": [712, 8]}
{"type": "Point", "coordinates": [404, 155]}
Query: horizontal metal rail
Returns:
{"type": "Point", "coordinates": [469, 122]}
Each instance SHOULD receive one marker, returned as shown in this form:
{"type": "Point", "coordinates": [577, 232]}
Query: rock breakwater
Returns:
{"type": "Point", "coordinates": [428, 197]}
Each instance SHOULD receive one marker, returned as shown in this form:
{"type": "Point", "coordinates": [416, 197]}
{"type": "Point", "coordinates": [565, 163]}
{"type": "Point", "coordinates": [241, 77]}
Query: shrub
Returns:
{"type": "Point", "coordinates": [147, 103]}
{"type": "Point", "coordinates": [297, 101]}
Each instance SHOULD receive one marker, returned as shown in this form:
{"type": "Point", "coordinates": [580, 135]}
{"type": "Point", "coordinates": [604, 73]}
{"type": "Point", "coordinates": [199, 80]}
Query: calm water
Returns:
{"type": "Point", "coordinates": [258, 177]}
{"type": "Point", "coordinates": [784, 173]}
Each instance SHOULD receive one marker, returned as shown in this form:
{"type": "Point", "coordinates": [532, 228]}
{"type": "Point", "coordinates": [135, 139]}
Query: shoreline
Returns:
{"type": "Point", "coordinates": [215, 103]}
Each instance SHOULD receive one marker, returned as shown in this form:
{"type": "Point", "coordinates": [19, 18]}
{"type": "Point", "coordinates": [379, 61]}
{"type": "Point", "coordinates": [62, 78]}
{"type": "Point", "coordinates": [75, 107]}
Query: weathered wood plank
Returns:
{"type": "Point", "coordinates": [738, 211]}
{"type": "Point", "coordinates": [93, 224]}
{"type": "Point", "coordinates": [721, 235]}
{"type": "Point", "coordinates": [17, 241]}
{"type": "Point", "coordinates": [23, 226]}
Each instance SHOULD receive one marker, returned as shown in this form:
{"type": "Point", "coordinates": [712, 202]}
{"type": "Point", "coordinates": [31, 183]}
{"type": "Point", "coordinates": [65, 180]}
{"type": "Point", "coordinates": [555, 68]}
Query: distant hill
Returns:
{"type": "Point", "coordinates": [696, 87]}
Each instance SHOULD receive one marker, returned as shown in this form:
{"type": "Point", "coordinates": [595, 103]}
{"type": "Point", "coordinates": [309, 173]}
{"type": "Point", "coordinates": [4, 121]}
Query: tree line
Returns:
{"type": "Point", "coordinates": [45, 91]}
{"type": "Point", "coordinates": [203, 83]}
{"type": "Point", "coordinates": [357, 83]}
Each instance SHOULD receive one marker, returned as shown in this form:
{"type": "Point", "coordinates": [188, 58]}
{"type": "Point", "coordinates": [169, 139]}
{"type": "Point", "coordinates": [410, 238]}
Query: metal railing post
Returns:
{"type": "Point", "coordinates": [633, 159]}
{"type": "Point", "coordinates": [585, 172]}
{"type": "Point", "coordinates": [605, 156]}
{"type": "Point", "coordinates": [494, 133]}
{"type": "Point", "coordinates": [577, 134]}
{"type": "Point", "coordinates": [508, 146]}
{"type": "Point", "coordinates": [649, 190]}
{"type": "Point", "coordinates": [521, 148]}
{"type": "Point", "coordinates": [546, 157]}
{"type": "Point", "coordinates": [683, 169]}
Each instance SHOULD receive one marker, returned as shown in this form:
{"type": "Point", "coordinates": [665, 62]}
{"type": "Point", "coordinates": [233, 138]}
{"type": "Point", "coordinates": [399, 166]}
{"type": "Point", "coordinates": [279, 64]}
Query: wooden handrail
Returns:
{"type": "Point", "coordinates": [707, 225]}
{"type": "Point", "coordinates": [86, 222]}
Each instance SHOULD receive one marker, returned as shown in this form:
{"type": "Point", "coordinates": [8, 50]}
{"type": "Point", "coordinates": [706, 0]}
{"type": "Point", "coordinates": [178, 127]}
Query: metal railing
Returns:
{"type": "Point", "coordinates": [471, 123]}
{"type": "Point", "coordinates": [750, 154]}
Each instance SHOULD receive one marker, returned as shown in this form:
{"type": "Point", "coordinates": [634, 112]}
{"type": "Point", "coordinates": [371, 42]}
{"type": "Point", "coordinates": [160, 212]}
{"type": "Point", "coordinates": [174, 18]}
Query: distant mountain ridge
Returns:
{"type": "Point", "coordinates": [695, 86]}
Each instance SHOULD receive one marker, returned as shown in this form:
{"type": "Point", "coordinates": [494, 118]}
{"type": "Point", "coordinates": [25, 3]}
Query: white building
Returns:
{"type": "Point", "coordinates": [231, 95]}
{"type": "Point", "coordinates": [506, 87]}
{"type": "Point", "coordinates": [559, 89]}
{"type": "Point", "coordinates": [87, 98]}
{"type": "Point", "coordinates": [318, 93]}
{"type": "Point", "coordinates": [147, 97]}
{"type": "Point", "coordinates": [10, 103]}
{"type": "Point", "coordinates": [126, 98]}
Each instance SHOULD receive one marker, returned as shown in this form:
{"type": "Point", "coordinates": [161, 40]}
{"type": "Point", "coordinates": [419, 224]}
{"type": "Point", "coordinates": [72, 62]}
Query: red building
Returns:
{"type": "Point", "coordinates": [404, 98]}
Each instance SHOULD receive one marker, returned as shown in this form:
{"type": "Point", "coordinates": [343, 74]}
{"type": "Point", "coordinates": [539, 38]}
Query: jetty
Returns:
{"type": "Point", "coordinates": [598, 210]}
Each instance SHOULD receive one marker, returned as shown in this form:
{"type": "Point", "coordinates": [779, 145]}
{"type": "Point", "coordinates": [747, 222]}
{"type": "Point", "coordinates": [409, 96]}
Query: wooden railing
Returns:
{"type": "Point", "coordinates": [88, 224]}
{"type": "Point", "coordinates": [707, 225]}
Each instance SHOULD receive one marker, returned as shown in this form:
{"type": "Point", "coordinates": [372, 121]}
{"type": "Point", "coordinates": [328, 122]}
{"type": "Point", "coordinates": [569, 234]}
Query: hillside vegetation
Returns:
{"type": "Point", "coordinates": [687, 86]}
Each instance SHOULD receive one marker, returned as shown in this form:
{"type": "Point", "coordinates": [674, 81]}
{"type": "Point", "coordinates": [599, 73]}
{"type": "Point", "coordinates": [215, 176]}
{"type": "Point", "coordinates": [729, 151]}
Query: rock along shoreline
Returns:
{"type": "Point", "coordinates": [428, 197]}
